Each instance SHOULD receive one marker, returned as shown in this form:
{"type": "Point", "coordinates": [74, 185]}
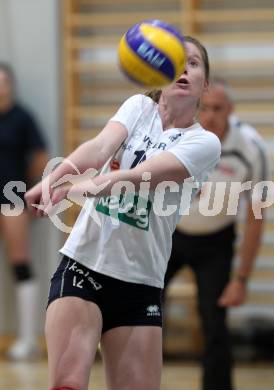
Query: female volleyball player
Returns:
{"type": "Point", "coordinates": [108, 285]}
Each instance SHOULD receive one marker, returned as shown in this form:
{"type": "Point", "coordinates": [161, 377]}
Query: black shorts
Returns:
{"type": "Point", "coordinates": [121, 303]}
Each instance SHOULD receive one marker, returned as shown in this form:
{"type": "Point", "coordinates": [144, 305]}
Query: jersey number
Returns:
{"type": "Point", "coordinates": [140, 157]}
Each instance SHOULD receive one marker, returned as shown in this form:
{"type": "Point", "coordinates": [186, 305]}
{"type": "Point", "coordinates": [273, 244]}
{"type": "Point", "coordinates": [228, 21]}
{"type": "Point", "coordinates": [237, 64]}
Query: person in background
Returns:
{"type": "Point", "coordinates": [22, 159]}
{"type": "Point", "coordinates": [206, 242]}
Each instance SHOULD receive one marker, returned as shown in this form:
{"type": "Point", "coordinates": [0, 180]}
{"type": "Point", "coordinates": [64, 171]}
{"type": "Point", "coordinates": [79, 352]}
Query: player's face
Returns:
{"type": "Point", "coordinates": [5, 89]}
{"type": "Point", "coordinates": [215, 109]}
{"type": "Point", "coordinates": [192, 82]}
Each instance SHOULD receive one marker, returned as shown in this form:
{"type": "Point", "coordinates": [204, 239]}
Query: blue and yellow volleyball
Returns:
{"type": "Point", "coordinates": [152, 54]}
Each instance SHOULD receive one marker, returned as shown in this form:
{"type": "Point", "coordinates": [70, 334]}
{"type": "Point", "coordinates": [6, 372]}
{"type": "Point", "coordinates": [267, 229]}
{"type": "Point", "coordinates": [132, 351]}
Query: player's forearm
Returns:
{"type": "Point", "coordinates": [164, 167]}
{"type": "Point", "coordinates": [84, 157]}
{"type": "Point", "coordinates": [111, 183]}
{"type": "Point", "coordinates": [92, 154]}
{"type": "Point", "coordinates": [161, 168]}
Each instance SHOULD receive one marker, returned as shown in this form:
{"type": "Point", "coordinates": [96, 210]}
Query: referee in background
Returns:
{"type": "Point", "coordinates": [206, 242]}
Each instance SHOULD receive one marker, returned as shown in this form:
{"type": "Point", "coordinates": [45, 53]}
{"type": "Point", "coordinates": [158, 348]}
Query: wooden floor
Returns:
{"type": "Point", "coordinates": [176, 376]}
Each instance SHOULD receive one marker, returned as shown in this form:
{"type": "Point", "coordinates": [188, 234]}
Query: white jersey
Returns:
{"type": "Point", "coordinates": [126, 245]}
{"type": "Point", "coordinates": [243, 159]}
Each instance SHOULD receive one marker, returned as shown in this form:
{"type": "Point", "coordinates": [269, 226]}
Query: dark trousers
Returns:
{"type": "Point", "coordinates": [210, 257]}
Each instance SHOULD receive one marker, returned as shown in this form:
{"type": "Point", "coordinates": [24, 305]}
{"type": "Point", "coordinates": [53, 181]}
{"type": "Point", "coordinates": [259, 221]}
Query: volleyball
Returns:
{"type": "Point", "coordinates": [152, 53]}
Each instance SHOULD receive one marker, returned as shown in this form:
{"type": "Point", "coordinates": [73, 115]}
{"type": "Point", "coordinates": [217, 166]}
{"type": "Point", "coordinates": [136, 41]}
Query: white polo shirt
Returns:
{"type": "Point", "coordinates": [125, 245]}
{"type": "Point", "coordinates": [244, 158]}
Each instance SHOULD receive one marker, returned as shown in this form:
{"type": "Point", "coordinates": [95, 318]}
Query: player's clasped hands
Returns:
{"type": "Point", "coordinates": [43, 199]}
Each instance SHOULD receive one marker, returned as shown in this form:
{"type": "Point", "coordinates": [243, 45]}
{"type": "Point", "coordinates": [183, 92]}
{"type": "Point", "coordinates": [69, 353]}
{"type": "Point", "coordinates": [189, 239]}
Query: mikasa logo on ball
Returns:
{"type": "Point", "coordinates": [150, 54]}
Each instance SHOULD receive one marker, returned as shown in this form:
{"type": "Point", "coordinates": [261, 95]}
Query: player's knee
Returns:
{"type": "Point", "coordinates": [62, 388]}
{"type": "Point", "coordinates": [151, 380]}
{"type": "Point", "coordinates": [137, 379]}
{"type": "Point", "coordinates": [69, 384]}
{"type": "Point", "coordinates": [22, 272]}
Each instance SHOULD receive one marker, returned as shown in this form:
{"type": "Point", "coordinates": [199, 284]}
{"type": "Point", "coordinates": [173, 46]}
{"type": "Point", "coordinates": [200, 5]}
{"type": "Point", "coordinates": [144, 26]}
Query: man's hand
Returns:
{"type": "Point", "coordinates": [234, 294]}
